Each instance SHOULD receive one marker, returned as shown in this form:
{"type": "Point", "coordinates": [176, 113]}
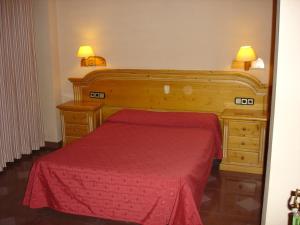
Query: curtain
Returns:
{"type": "Point", "coordinates": [21, 128]}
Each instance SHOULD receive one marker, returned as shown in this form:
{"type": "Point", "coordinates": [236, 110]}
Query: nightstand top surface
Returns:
{"type": "Point", "coordinates": [80, 106]}
{"type": "Point", "coordinates": [245, 114]}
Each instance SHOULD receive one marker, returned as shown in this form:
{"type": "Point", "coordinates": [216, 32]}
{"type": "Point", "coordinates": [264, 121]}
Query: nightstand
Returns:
{"type": "Point", "coordinates": [78, 119]}
{"type": "Point", "coordinates": [244, 134]}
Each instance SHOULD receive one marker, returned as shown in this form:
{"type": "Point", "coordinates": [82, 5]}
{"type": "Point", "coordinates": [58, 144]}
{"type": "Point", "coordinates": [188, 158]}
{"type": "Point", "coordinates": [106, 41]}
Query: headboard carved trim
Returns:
{"type": "Point", "coordinates": [148, 83]}
{"type": "Point", "coordinates": [166, 75]}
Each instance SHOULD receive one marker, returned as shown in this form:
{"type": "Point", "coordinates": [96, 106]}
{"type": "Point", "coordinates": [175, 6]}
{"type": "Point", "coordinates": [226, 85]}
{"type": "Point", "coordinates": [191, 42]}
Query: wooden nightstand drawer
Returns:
{"type": "Point", "coordinates": [243, 143]}
{"type": "Point", "coordinates": [244, 128]}
{"type": "Point", "coordinates": [243, 157]}
{"type": "Point", "coordinates": [76, 130]}
{"type": "Point", "coordinates": [236, 186]}
{"type": "Point", "coordinates": [76, 117]}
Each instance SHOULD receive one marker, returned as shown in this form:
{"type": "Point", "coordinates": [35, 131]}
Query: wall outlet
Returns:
{"type": "Point", "coordinates": [244, 101]}
{"type": "Point", "coordinates": [250, 101]}
{"type": "Point", "coordinates": [97, 94]}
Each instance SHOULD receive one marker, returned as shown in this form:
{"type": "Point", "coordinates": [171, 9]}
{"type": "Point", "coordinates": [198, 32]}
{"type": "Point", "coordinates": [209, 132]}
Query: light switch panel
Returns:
{"type": "Point", "coordinates": [244, 101]}
{"type": "Point", "coordinates": [97, 94]}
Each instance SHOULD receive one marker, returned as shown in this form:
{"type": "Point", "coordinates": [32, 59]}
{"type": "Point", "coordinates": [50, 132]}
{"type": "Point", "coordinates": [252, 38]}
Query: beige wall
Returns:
{"type": "Point", "coordinates": [177, 34]}
{"type": "Point", "coordinates": [283, 173]}
{"type": "Point", "coordinates": [48, 66]}
{"type": "Point", "coordinates": [160, 34]}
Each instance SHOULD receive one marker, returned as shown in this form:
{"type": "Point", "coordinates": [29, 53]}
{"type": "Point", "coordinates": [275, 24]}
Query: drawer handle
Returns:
{"type": "Point", "coordinates": [242, 157]}
{"type": "Point", "coordinates": [244, 129]}
{"type": "Point", "coordinates": [243, 143]}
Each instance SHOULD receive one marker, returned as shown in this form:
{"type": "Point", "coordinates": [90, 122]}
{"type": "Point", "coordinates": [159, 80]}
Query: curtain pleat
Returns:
{"type": "Point", "coordinates": [21, 129]}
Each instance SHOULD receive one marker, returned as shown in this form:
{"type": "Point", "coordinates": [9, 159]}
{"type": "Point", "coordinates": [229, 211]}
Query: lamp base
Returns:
{"type": "Point", "coordinates": [93, 61]}
{"type": "Point", "coordinates": [247, 65]}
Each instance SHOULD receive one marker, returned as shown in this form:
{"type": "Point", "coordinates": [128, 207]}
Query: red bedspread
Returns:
{"type": "Point", "coordinates": [147, 174]}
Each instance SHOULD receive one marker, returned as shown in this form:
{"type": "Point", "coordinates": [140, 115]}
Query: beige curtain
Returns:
{"type": "Point", "coordinates": [21, 128]}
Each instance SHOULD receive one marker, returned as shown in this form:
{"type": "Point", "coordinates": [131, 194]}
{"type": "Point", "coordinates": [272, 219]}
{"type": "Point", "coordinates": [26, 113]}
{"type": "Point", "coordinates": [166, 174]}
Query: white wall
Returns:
{"type": "Point", "coordinates": [48, 66]}
{"type": "Point", "coordinates": [283, 173]}
{"type": "Point", "coordinates": [176, 34]}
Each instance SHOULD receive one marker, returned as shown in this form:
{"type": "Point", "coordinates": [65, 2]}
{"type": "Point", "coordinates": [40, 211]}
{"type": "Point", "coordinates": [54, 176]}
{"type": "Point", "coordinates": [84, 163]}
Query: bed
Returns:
{"type": "Point", "coordinates": [140, 166]}
{"type": "Point", "coordinates": [144, 167]}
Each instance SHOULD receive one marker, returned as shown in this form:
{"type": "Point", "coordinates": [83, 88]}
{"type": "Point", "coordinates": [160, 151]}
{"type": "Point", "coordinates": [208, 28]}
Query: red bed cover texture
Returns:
{"type": "Point", "coordinates": [144, 167]}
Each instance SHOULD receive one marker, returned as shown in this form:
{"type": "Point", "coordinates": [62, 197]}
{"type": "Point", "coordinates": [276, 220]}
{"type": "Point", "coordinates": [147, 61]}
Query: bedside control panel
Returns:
{"type": "Point", "coordinates": [97, 94]}
{"type": "Point", "coordinates": [244, 101]}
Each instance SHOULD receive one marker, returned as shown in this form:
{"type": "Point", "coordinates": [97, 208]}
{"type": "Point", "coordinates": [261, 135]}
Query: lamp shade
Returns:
{"type": "Point", "coordinates": [85, 51]}
{"type": "Point", "coordinates": [246, 54]}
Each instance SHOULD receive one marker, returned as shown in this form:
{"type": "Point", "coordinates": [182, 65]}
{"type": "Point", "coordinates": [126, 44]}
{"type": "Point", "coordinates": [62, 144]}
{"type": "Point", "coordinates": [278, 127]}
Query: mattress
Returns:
{"type": "Point", "coordinates": [144, 167]}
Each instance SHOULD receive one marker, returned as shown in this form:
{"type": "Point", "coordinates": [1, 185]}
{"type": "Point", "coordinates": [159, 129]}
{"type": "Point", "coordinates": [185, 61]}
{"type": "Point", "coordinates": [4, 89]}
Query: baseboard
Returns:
{"type": "Point", "coordinates": [53, 145]}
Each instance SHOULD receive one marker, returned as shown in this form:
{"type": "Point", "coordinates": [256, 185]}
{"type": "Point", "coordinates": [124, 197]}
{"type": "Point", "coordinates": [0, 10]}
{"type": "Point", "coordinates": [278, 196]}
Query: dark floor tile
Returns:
{"type": "Point", "coordinates": [210, 201]}
{"type": "Point", "coordinates": [213, 182]}
{"type": "Point", "coordinates": [8, 221]}
{"type": "Point", "coordinates": [3, 191]}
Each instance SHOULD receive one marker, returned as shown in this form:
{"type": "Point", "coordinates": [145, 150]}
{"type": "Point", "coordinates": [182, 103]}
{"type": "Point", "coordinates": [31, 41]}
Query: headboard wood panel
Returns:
{"type": "Point", "coordinates": [190, 90]}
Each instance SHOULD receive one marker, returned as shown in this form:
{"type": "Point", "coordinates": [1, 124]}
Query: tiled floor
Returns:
{"type": "Point", "coordinates": [229, 199]}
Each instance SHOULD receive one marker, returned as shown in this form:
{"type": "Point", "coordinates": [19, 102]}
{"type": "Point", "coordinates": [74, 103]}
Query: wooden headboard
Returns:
{"type": "Point", "coordinates": [190, 90]}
